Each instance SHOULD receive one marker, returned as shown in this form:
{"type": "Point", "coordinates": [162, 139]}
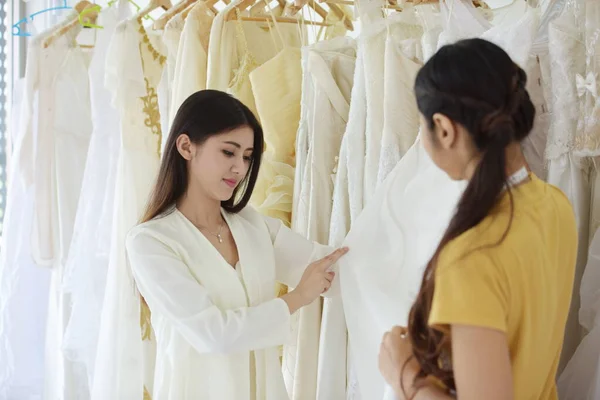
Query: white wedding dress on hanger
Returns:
{"type": "Point", "coordinates": [580, 379]}
{"type": "Point", "coordinates": [328, 73]}
{"type": "Point", "coordinates": [22, 283]}
{"type": "Point", "coordinates": [124, 361]}
{"type": "Point", "coordinates": [87, 263]}
{"type": "Point", "coordinates": [406, 219]}
{"type": "Point", "coordinates": [63, 136]}
{"type": "Point", "coordinates": [566, 170]}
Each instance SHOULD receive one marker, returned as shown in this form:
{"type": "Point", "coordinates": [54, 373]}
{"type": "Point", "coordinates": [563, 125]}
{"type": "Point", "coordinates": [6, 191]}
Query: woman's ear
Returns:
{"type": "Point", "coordinates": [444, 130]}
{"type": "Point", "coordinates": [185, 147]}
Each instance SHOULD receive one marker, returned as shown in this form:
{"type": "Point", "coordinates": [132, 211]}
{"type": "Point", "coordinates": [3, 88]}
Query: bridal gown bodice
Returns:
{"type": "Point", "coordinates": [87, 265]}
{"type": "Point", "coordinates": [328, 72]}
{"type": "Point", "coordinates": [63, 134]}
{"type": "Point", "coordinates": [277, 88]}
{"type": "Point", "coordinates": [124, 363]}
{"type": "Point", "coordinates": [400, 114]}
{"type": "Point", "coordinates": [64, 130]}
{"type": "Point", "coordinates": [171, 36]}
{"type": "Point", "coordinates": [405, 220]}
{"type": "Point", "coordinates": [237, 47]}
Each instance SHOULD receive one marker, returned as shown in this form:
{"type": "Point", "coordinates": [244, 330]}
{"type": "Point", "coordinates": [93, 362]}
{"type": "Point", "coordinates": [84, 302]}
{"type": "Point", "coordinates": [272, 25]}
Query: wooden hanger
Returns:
{"type": "Point", "coordinates": [245, 4]}
{"type": "Point", "coordinates": [476, 3]}
{"type": "Point", "coordinates": [153, 5]}
{"type": "Point", "coordinates": [393, 5]}
{"type": "Point", "coordinates": [176, 9]}
{"type": "Point", "coordinates": [184, 8]}
{"type": "Point", "coordinates": [335, 8]}
{"type": "Point", "coordinates": [90, 19]}
{"type": "Point", "coordinates": [262, 4]}
{"type": "Point", "coordinates": [390, 5]}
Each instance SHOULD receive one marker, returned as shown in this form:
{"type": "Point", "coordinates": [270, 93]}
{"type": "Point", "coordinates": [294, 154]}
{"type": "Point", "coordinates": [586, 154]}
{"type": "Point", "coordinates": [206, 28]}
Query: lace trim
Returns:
{"type": "Point", "coordinates": [152, 112]}
{"type": "Point", "coordinates": [248, 62]}
{"type": "Point", "coordinates": [146, 40]}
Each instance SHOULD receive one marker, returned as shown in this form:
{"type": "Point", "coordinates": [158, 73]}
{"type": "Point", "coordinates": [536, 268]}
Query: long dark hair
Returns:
{"type": "Point", "coordinates": [475, 84]}
{"type": "Point", "coordinates": [204, 114]}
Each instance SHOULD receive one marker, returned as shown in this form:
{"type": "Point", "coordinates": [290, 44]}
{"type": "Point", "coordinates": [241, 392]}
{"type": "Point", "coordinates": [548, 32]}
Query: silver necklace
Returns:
{"type": "Point", "coordinates": [218, 234]}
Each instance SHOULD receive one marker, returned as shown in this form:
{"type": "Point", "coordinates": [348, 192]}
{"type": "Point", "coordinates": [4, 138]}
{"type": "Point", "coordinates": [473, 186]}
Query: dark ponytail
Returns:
{"type": "Point", "coordinates": [477, 85]}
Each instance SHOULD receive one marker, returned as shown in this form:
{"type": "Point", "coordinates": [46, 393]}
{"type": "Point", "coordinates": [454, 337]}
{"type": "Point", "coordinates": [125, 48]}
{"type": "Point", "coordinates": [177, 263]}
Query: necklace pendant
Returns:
{"type": "Point", "coordinates": [220, 238]}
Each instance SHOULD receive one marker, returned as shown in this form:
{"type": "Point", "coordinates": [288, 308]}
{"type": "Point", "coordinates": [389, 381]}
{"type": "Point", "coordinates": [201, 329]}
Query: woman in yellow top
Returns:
{"type": "Point", "coordinates": [489, 318]}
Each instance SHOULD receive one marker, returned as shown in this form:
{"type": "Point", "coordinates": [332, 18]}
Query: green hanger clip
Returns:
{"type": "Point", "coordinates": [87, 23]}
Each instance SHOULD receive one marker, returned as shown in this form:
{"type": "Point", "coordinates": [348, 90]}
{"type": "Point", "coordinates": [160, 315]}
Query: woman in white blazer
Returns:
{"type": "Point", "coordinates": [206, 263]}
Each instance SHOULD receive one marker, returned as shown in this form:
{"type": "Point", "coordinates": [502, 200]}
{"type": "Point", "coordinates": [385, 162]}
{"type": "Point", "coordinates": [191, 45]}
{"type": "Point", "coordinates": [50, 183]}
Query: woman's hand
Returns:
{"type": "Point", "coordinates": [396, 364]}
{"type": "Point", "coordinates": [317, 277]}
{"type": "Point", "coordinates": [315, 281]}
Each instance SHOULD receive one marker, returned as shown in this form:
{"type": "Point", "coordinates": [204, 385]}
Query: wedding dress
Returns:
{"type": "Point", "coordinates": [87, 263]}
{"type": "Point", "coordinates": [566, 170]}
{"type": "Point", "coordinates": [406, 219]}
{"type": "Point", "coordinates": [400, 115]}
{"type": "Point", "coordinates": [22, 283]}
{"type": "Point", "coordinates": [389, 46]}
{"type": "Point", "coordinates": [27, 345]}
{"type": "Point", "coordinates": [63, 135]}
{"type": "Point", "coordinates": [580, 380]}
{"type": "Point", "coordinates": [237, 47]}
{"type": "Point", "coordinates": [124, 363]}
{"type": "Point", "coordinates": [328, 71]}
{"type": "Point", "coordinates": [190, 71]}
{"type": "Point", "coordinates": [171, 37]}
{"type": "Point", "coordinates": [581, 375]}
{"type": "Point", "coordinates": [277, 88]}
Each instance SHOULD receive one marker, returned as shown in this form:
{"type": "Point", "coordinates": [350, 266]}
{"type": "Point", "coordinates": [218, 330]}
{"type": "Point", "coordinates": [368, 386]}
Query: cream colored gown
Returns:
{"type": "Point", "coordinates": [327, 83]}
{"type": "Point", "coordinates": [192, 57]}
{"type": "Point", "coordinates": [125, 357]}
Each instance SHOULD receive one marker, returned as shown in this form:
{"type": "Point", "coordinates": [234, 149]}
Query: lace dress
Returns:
{"type": "Point", "coordinates": [566, 170]}
{"type": "Point", "coordinates": [581, 376]}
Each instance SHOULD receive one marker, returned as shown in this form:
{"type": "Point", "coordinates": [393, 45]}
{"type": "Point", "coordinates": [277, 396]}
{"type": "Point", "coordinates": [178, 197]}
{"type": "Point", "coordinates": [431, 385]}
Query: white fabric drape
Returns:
{"type": "Point", "coordinates": [87, 264]}
{"type": "Point", "coordinates": [405, 220]}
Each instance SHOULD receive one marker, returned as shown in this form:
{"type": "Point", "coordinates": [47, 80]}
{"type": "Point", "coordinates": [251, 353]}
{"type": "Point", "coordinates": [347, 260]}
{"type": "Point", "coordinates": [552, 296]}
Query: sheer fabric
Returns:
{"type": "Point", "coordinates": [125, 358]}
{"type": "Point", "coordinates": [328, 71]}
{"type": "Point", "coordinates": [378, 293]}
{"type": "Point", "coordinates": [22, 283]}
{"type": "Point", "coordinates": [87, 264]}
